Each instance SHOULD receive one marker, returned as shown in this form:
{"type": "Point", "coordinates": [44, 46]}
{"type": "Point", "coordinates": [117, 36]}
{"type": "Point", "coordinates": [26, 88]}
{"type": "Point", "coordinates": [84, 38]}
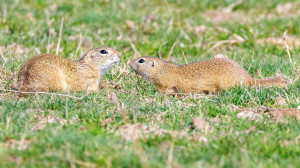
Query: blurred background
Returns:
{"type": "Point", "coordinates": [197, 28]}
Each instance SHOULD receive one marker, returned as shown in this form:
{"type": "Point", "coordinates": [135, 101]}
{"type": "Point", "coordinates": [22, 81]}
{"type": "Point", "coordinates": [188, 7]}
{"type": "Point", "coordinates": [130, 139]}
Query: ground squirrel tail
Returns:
{"type": "Point", "coordinates": [278, 80]}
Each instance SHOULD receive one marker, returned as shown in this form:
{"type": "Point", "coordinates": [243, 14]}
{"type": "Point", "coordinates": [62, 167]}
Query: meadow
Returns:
{"type": "Point", "coordinates": [128, 123]}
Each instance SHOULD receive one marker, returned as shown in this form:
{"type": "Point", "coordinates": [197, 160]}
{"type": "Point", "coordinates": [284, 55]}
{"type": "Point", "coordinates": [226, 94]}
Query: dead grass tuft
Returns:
{"type": "Point", "coordinates": [199, 138]}
{"type": "Point", "coordinates": [295, 141]}
{"type": "Point", "coordinates": [200, 124]}
{"type": "Point", "coordinates": [40, 121]}
{"type": "Point", "coordinates": [132, 132]}
{"type": "Point", "coordinates": [221, 16]}
{"type": "Point", "coordinates": [197, 30]}
{"type": "Point", "coordinates": [105, 122]}
{"type": "Point", "coordinates": [139, 131]}
{"type": "Point", "coordinates": [15, 144]}
{"type": "Point", "coordinates": [293, 42]}
{"type": "Point", "coordinates": [250, 114]}
{"type": "Point", "coordinates": [235, 39]}
{"type": "Point", "coordinates": [277, 115]}
{"type": "Point", "coordinates": [288, 9]}
{"type": "Point", "coordinates": [280, 115]}
{"type": "Point", "coordinates": [220, 56]}
{"type": "Point", "coordinates": [226, 14]}
{"type": "Point", "coordinates": [251, 129]}
{"type": "Point", "coordinates": [17, 50]}
{"type": "Point", "coordinates": [280, 101]}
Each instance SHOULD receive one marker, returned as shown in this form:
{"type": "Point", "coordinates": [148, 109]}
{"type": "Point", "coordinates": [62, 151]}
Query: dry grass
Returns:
{"type": "Point", "coordinates": [293, 42]}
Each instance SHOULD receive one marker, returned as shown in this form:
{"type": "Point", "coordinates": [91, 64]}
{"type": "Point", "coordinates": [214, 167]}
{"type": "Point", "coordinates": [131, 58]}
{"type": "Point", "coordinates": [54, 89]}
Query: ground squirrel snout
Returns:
{"type": "Point", "coordinates": [206, 76]}
{"type": "Point", "coordinates": [49, 72]}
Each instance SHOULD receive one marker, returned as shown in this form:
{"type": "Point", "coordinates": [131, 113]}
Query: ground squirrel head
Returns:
{"type": "Point", "coordinates": [101, 58]}
{"type": "Point", "coordinates": [148, 67]}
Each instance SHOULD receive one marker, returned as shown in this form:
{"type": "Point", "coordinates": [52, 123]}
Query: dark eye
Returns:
{"type": "Point", "coordinates": [141, 61]}
{"type": "Point", "coordinates": [103, 51]}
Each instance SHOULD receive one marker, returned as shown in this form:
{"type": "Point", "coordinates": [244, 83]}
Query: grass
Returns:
{"type": "Point", "coordinates": [148, 129]}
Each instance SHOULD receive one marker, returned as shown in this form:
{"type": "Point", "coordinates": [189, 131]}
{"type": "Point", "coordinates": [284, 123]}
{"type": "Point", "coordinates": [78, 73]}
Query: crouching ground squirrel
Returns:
{"type": "Point", "coordinates": [49, 72]}
{"type": "Point", "coordinates": [205, 76]}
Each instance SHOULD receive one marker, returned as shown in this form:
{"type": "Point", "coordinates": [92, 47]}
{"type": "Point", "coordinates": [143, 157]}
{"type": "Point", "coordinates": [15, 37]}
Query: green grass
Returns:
{"type": "Point", "coordinates": [73, 134]}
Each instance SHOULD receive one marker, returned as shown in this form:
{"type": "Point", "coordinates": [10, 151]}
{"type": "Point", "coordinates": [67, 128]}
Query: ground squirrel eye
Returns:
{"type": "Point", "coordinates": [103, 51]}
{"type": "Point", "coordinates": [141, 61]}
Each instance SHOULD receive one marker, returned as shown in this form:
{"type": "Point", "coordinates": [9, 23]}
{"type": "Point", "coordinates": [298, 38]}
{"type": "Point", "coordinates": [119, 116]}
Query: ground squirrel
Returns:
{"type": "Point", "coordinates": [49, 72]}
{"type": "Point", "coordinates": [205, 76]}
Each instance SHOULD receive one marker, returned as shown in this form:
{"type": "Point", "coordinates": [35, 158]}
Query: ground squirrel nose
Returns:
{"type": "Point", "coordinates": [118, 54]}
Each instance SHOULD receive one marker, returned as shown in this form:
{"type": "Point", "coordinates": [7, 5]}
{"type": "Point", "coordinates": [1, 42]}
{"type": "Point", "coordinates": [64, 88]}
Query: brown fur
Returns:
{"type": "Point", "coordinates": [49, 72]}
{"type": "Point", "coordinates": [205, 76]}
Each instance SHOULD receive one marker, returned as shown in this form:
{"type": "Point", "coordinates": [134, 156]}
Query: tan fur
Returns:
{"type": "Point", "coordinates": [49, 72]}
{"type": "Point", "coordinates": [205, 76]}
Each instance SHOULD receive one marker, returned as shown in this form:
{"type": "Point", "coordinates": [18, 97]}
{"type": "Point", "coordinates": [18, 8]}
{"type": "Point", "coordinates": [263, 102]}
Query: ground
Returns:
{"type": "Point", "coordinates": [128, 123]}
